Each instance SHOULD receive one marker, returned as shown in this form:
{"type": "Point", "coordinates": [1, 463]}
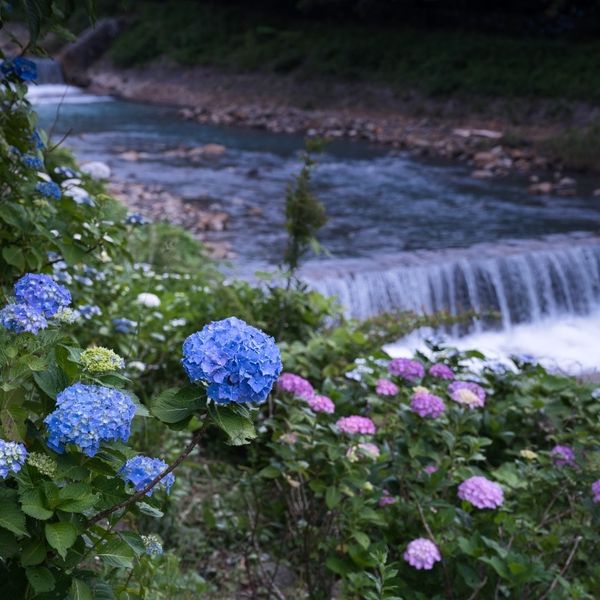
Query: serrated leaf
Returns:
{"type": "Point", "coordinates": [176, 404]}
{"type": "Point", "coordinates": [239, 428]}
{"type": "Point", "coordinates": [8, 545]}
{"type": "Point", "coordinates": [11, 516]}
{"type": "Point", "coordinates": [61, 536]}
{"type": "Point", "coordinates": [80, 590]}
{"type": "Point", "coordinates": [33, 553]}
{"type": "Point", "coordinates": [33, 504]}
{"type": "Point", "coordinates": [116, 553]}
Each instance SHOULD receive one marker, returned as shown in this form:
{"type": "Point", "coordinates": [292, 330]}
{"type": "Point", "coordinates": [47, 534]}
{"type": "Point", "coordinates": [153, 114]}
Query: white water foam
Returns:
{"type": "Point", "coordinates": [568, 344]}
{"type": "Point", "coordinates": [61, 93]}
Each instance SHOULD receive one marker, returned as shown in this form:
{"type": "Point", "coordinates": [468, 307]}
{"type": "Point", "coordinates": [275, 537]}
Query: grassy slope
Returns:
{"type": "Point", "coordinates": [432, 62]}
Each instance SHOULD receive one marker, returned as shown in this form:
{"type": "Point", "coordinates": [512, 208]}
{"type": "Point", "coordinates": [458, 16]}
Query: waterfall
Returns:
{"type": "Point", "coordinates": [49, 70]}
{"type": "Point", "coordinates": [509, 283]}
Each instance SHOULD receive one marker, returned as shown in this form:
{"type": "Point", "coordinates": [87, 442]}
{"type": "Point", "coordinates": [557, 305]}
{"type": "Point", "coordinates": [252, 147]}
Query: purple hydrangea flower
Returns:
{"type": "Point", "coordinates": [427, 405]}
{"type": "Point", "coordinates": [294, 384]}
{"type": "Point", "coordinates": [563, 456]}
{"type": "Point", "coordinates": [42, 293]}
{"type": "Point", "coordinates": [22, 68]}
{"type": "Point", "coordinates": [22, 318]}
{"type": "Point", "coordinates": [467, 393]}
{"type": "Point", "coordinates": [407, 368]}
{"type": "Point", "coordinates": [385, 387]}
{"type": "Point", "coordinates": [387, 499]}
{"type": "Point", "coordinates": [430, 469]}
{"type": "Point", "coordinates": [422, 554]}
{"type": "Point", "coordinates": [141, 470]}
{"type": "Point", "coordinates": [49, 189]}
{"type": "Point", "coordinates": [87, 415]}
{"type": "Point", "coordinates": [238, 362]}
{"type": "Point", "coordinates": [441, 371]}
{"type": "Point", "coordinates": [596, 490]}
{"type": "Point", "coordinates": [12, 457]}
{"type": "Point", "coordinates": [356, 425]}
{"type": "Point", "coordinates": [481, 492]}
{"type": "Point", "coordinates": [321, 404]}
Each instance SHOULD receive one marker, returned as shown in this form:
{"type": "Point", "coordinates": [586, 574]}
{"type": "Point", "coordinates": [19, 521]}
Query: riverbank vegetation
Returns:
{"type": "Point", "coordinates": [435, 62]}
{"type": "Point", "coordinates": [151, 446]}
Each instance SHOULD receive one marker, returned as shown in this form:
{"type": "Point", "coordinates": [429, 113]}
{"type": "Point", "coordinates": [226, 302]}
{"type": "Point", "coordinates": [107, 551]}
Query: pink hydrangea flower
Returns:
{"type": "Point", "coordinates": [441, 371]}
{"type": "Point", "coordinates": [427, 405]}
{"type": "Point", "coordinates": [385, 387]}
{"type": "Point", "coordinates": [596, 490]}
{"type": "Point", "coordinates": [467, 393]}
{"type": "Point", "coordinates": [355, 424]}
{"type": "Point", "coordinates": [422, 554]}
{"type": "Point", "coordinates": [387, 499]}
{"type": "Point", "coordinates": [407, 368]}
{"type": "Point", "coordinates": [294, 384]}
{"type": "Point", "coordinates": [321, 404]}
{"type": "Point", "coordinates": [430, 469]}
{"type": "Point", "coordinates": [563, 456]}
{"type": "Point", "coordinates": [369, 450]}
{"type": "Point", "coordinates": [481, 492]}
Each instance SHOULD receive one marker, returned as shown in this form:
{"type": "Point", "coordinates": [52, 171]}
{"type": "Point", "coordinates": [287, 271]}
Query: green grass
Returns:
{"type": "Point", "coordinates": [436, 63]}
{"type": "Point", "coordinates": [577, 149]}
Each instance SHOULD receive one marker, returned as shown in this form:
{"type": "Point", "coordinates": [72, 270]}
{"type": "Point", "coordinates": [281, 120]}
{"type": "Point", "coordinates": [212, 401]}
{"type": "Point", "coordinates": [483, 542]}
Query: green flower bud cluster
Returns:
{"type": "Point", "coordinates": [99, 360]}
{"type": "Point", "coordinates": [43, 463]}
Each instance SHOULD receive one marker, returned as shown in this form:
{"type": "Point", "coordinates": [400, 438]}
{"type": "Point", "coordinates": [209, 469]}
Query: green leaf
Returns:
{"type": "Point", "coordinates": [41, 579]}
{"type": "Point", "coordinates": [238, 427]}
{"type": "Point", "coordinates": [80, 590]}
{"type": "Point", "coordinates": [269, 472]}
{"type": "Point", "coordinates": [33, 504]}
{"type": "Point", "coordinates": [362, 539]}
{"type": "Point", "coordinates": [146, 509]}
{"type": "Point", "coordinates": [117, 553]}
{"type": "Point", "coordinates": [76, 497]}
{"type": "Point", "coordinates": [52, 381]}
{"type": "Point", "coordinates": [332, 497]}
{"type": "Point", "coordinates": [61, 536]}
{"type": "Point", "coordinates": [33, 553]}
{"type": "Point", "coordinates": [8, 545]}
{"type": "Point", "coordinates": [13, 255]}
{"type": "Point", "coordinates": [176, 404]}
{"type": "Point", "coordinates": [11, 516]}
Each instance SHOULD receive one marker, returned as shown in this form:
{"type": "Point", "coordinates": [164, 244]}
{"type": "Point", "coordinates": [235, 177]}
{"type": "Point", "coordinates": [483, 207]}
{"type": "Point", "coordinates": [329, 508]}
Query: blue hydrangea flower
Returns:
{"type": "Point", "coordinates": [136, 219]}
{"type": "Point", "coordinates": [49, 189]}
{"type": "Point", "coordinates": [36, 139]}
{"type": "Point", "coordinates": [22, 68]}
{"type": "Point", "coordinates": [42, 293]}
{"type": "Point", "coordinates": [124, 325]}
{"type": "Point", "coordinates": [87, 415]}
{"type": "Point", "coordinates": [87, 311]}
{"type": "Point", "coordinates": [141, 470]}
{"type": "Point", "coordinates": [65, 173]}
{"type": "Point", "coordinates": [12, 457]}
{"type": "Point", "coordinates": [238, 362]}
{"type": "Point", "coordinates": [32, 161]}
{"type": "Point", "coordinates": [22, 318]}
{"type": "Point", "coordinates": [152, 544]}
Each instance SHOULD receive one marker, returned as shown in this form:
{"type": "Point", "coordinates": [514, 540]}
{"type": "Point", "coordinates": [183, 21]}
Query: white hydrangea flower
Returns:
{"type": "Point", "coordinates": [148, 300]}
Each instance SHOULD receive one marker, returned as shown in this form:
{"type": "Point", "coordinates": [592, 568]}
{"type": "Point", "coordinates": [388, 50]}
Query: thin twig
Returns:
{"type": "Point", "coordinates": [478, 589]}
{"type": "Point", "coordinates": [565, 567]}
{"type": "Point", "coordinates": [139, 495]}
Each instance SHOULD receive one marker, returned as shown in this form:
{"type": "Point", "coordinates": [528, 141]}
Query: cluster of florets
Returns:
{"type": "Point", "coordinates": [387, 499]}
{"type": "Point", "coordinates": [422, 554]}
{"type": "Point", "coordinates": [148, 300]}
{"type": "Point", "coordinates": [22, 318]}
{"type": "Point", "coordinates": [43, 463]}
{"type": "Point", "coordinates": [468, 394]}
{"type": "Point", "coordinates": [430, 469]}
{"type": "Point", "coordinates": [49, 189]}
{"type": "Point", "coordinates": [385, 387]}
{"type": "Point", "coordinates": [363, 450]}
{"type": "Point", "coordinates": [596, 491]}
{"type": "Point", "coordinates": [140, 471]}
{"type": "Point", "coordinates": [32, 161]}
{"type": "Point", "coordinates": [481, 492]}
{"type": "Point", "coordinates": [88, 311]}
{"type": "Point", "coordinates": [239, 363]}
{"type": "Point", "coordinates": [563, 456]}
{"type": "Point", "coordinates": [87, 415]}
{"type": "Point", "coordinates": [101, 360]}
{"type": "Point", "coordinates": [38, 297]}
{"type": "Point", "coordinates": [123, 325]}
{"type": "Point", "coordinates": [42, 293]}
{"type": "Point", "coordinates": [152, 544]}
{"type": "Point", "coordinates": [426, 404]}
{"type": "Point", "coordinates": [12, 457]}
{"type": "Point", "coordinates": [294, 384]}
{"type": "Point", "coordinates": [407, 368]}
{"type": "Point", "coordinates": [19, 67]}
{"type": "Point", "coordinates": [356, 425]}
{"type": "Point", "coordinates": [321, 404]}
{"type": "Point", "coordinates": [441, 371]}
{"type": "Point", "coordinates": [136, 219]}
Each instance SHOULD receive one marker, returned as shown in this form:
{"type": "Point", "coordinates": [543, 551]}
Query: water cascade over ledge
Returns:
{"type": "Point", "coordinates": [522, 281]}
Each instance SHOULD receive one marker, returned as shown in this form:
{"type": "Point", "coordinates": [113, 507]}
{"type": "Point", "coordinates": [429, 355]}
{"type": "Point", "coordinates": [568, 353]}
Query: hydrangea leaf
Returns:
{"type": "Point", "coordinates": [80, 590]}
{"type": "Point", "coordinates": [177, 404]}
{"type": "Point", "coordinates": [33, 504]}
{"type": "Point", "coordinates": [61, 536]}
{"type": "Point", "coordinates": [41, 579]}
{"type": "Point", "coordinates": [33, 553]}
{"type": "Point", "coordinates": [11, 516]}
{"type": "Point", "coordinates": [238, 427]}
{"type": "Point", "coordinates": [117, 553]}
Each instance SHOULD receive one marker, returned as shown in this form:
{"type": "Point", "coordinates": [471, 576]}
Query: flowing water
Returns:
{"type": "Point", "coordinates": [402, 234]}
